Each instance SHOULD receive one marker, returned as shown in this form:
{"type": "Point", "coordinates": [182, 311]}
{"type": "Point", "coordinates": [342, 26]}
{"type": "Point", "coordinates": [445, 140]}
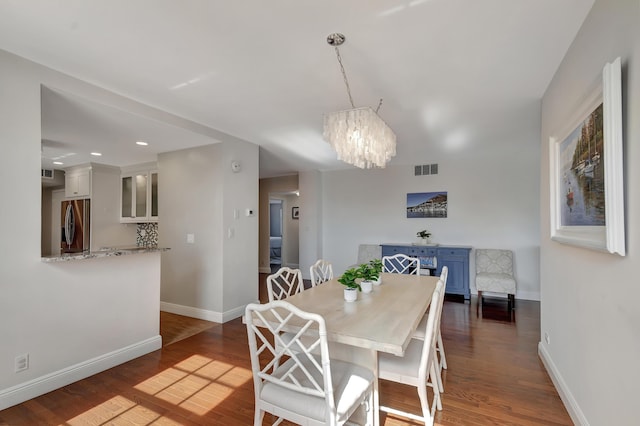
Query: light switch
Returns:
{"type": "Point", "coordinates": [191, 238]}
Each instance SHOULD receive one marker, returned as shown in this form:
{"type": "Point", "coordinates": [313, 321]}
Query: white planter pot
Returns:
{"type": "Point", "coordinates": [367, 286]}
{"type": "Point", "coordinates": [378, 281]}
{"type": "Point", "coordinates": [350, 294]}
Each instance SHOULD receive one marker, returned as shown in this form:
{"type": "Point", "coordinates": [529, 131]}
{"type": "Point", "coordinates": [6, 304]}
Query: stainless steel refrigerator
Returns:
{"type": "Point", "coordinates": [76, 226]}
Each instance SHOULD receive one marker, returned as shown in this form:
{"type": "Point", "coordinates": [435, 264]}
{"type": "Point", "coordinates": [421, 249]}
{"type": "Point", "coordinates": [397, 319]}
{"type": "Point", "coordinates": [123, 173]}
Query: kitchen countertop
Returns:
{"type": "Point", "coordinates": [103, 252]}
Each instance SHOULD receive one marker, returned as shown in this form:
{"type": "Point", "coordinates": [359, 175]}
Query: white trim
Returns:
{"type": "Point", "coordinates": [52, 381]}
{"type": "Point", "coordinates": [204, 314]}
{"type": "Point", "coordinates": [567, 398]}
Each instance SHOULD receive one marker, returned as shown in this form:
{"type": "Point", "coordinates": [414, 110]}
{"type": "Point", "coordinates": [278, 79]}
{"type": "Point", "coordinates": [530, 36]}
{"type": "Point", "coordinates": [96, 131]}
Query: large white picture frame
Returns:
{"type": "Point", "coordinates": [586, 171]}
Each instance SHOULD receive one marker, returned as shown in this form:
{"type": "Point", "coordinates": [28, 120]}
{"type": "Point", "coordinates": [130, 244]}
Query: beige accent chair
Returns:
{"type": "Point", "coordinates": [297, 380]}
{"type": "Point", "coordinates": [418, 365]}
{"type": "Point", "coordinates": [494, 273]}
{"type": "Point", "coordinates": [320, 272]}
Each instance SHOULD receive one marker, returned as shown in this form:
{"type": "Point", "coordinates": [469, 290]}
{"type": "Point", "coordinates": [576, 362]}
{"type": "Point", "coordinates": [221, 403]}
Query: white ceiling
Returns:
{"type": "Point", "coordinates": [450, 71]}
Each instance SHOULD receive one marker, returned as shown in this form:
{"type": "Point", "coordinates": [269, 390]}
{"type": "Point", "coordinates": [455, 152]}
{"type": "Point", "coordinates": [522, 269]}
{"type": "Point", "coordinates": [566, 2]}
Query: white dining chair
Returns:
{"type": "Point", "coordinates": [441, 359]}
{"type": "Point", "coordinates": [284, 283]}
{"type": "Point", "coordinates": [297, 380]}
{"type": "Point", "coordinates": [320, 272]}
{"type": "Point", "coordinates": [417, 367]}
{"type": "Point", "coordinates": [401, 264]}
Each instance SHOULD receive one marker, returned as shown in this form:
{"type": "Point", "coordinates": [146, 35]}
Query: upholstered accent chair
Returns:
{"type": "Point", "coordinates": [494, 273]}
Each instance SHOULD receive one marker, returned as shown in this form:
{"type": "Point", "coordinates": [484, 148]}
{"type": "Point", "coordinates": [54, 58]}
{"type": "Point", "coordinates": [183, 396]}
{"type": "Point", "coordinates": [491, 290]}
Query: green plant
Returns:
{"type": "Point", "coordinates": [424, 234]}
{"type": "Point", "coordinates": [367, 272]}
{"type": "Point", "coordinates": [376, 264]}
{"type": "Point", "coordinates": [348, 279]}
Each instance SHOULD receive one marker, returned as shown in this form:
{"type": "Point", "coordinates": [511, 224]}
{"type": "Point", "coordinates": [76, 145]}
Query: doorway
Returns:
{"type": "Point", "coordinates": [275, 234]}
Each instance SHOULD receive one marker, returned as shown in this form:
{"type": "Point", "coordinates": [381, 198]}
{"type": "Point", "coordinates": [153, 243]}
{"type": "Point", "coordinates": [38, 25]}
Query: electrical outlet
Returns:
{"type": "Point", "coordinates": [547, 338]}
{"type": "Point", "coordinates": [22, 363]}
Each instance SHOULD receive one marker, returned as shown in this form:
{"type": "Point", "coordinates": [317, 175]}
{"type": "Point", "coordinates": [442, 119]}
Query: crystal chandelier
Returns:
{"type": "Point", "coordinates": [359, 135]}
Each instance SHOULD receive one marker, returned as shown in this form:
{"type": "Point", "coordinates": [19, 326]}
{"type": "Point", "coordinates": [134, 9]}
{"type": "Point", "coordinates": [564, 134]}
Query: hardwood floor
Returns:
{"type": "Point", "coordinates": [494, 378]}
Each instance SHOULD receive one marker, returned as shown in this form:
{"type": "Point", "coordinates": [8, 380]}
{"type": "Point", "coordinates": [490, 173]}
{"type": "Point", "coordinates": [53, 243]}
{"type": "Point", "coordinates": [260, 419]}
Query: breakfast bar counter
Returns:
{"type": "Point", "coordinates": [104, 252]}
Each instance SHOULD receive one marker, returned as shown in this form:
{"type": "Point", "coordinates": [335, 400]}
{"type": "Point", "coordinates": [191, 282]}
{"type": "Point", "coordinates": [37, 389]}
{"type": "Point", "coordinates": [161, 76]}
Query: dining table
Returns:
{"type": "Point", "coordinates": [383, 320]}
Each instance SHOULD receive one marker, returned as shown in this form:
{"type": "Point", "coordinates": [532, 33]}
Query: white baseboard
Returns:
{"type": "Point", "coordinates": [41, 385]}
{"type": "Point", "coordinates": [566, 396]}
{"type": "Point", "coordinates": [204, 314]}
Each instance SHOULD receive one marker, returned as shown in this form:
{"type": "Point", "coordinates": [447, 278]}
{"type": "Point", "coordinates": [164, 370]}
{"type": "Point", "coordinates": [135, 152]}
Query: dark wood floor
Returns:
{"type": "Point", "coordinates": [494, 378]}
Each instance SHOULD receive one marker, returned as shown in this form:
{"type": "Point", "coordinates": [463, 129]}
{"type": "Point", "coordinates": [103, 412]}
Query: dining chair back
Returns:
{"type": "Point", "coordinates": [284, 283]}
{"type": "Point", "coordinates": [440, 357]}
{"type": "Point", "coordinates": [296, 380]}
{"type": "Point", "coordinates": [401, 264]}
{"type": "Point", "coordinates": [320, 272]}
{"type": "Point", "coordinates": [417, 366]}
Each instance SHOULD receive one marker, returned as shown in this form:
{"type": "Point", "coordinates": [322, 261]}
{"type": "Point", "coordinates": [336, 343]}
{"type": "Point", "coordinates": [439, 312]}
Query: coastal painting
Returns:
{"type": "Point", "coordinates": [581, 156]}
{"type": "Point", "coordinates": [426, 204]}
{"type": "Point", "coordinates": [586, 180]}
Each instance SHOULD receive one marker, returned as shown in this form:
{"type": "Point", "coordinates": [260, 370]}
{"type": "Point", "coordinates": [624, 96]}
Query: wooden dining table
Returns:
{"type": "Point", "coordinates": [380, 321]}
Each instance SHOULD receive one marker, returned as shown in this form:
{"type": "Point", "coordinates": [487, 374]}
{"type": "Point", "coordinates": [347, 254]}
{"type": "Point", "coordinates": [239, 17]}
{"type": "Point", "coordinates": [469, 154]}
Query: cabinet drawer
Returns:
{"type": "Point", "coordinates": [453, 252]}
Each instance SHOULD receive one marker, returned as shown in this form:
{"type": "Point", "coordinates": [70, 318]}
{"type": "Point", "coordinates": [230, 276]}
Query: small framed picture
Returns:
{"type": "Point", "coordinates": [295, 212]}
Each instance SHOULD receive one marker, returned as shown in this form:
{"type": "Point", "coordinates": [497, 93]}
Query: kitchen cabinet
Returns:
{"type": "Point", "coordinates": [77, 182]}
{"type": "Point", "coordinates": [455, 258]}
{"type": "Point", "coordinates": [139, 196]}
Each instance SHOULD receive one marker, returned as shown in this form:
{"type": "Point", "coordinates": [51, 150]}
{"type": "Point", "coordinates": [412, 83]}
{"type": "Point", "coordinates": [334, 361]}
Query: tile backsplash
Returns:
{"type": "Point", "coordinates": [147, 234]}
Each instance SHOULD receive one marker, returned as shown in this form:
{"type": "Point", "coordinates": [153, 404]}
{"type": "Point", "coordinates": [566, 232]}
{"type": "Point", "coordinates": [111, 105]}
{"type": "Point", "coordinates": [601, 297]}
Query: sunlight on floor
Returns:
{"type": "Point", "coordinates": [197, 384]}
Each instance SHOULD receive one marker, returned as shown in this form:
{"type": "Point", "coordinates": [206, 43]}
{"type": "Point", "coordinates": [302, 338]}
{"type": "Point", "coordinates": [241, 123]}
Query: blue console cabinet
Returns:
{"type": "Point", "coordinates": [456, 258]}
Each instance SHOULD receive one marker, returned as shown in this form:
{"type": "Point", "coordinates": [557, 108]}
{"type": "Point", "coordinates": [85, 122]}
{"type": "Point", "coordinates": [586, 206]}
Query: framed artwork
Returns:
{"type": "Point", "coordinates": [586, 179]}
{"type": "Point", "coordinates": [426, 204]}
{"type": "Point", "coordinates": [295, 212]}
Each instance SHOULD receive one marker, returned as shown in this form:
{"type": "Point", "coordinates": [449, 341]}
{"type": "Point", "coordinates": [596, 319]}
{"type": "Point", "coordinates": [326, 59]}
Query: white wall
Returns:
{"type": "Point", "coordinates": [74, 318]}
{"type": "Point", "coordinates": [198, 193]}
{"type": "Point", "coordinates": [590, 299]}
{"type": "Point", "coordinates": [493, 198]}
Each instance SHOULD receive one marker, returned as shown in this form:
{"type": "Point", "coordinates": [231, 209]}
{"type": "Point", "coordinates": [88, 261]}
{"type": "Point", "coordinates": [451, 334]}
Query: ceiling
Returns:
{"type": "Point", "coordinates": [451, 72]}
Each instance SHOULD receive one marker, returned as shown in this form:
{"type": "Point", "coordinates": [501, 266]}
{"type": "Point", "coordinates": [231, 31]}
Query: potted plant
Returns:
{"type": "Point", "coordinates": [368, 275]}
{"type": "Point", "coordinates": [348, 279]}
{"type": "Point", "coordinates": [376, 265]}
{"type": "Point", "coordinates": [424, 236]}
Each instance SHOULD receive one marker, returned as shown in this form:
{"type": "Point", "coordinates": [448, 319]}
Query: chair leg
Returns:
{"type": "Point", "coordinates": [443, 358]}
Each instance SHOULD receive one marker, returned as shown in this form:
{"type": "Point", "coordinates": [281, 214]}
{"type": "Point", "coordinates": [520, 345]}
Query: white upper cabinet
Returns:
{"type": "Point", "coordinates": [139, 194]}
{"type": "Point", "coordinates": [77, 182]}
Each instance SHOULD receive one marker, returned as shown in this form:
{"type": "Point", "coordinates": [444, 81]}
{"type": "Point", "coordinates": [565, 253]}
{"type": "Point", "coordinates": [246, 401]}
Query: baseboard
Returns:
{"type": "Point", "coordinates": [566, 396]}
{"type": "Point", "coordinates": [41, 385]}
{"type": "Point", "coordinates": [203, 314]}
{"type": "Point", "coordinates": [190, 311]}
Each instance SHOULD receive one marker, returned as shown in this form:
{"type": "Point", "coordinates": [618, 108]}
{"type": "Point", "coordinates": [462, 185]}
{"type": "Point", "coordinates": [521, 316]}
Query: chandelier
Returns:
{"type": "Point", "coordinates": [358, 135]}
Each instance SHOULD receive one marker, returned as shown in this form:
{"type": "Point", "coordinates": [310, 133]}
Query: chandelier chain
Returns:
{"type": "Point", "coordinates": [344, 76]}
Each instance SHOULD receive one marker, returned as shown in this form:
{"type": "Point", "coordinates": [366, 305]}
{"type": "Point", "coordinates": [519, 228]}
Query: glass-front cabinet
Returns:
{"type": "Point", "coordinates": [139, 196]}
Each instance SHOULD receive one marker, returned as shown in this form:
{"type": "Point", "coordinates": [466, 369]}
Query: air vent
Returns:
{"type": "Point", "coordinates": [426, 169]}
{"type": "Point", "coordinates": [46, 173]}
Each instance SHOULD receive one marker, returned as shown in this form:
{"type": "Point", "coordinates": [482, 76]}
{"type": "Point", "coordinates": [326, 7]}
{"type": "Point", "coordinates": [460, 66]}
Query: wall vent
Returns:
{"type": "Point", "coordinates": [425, 169]}
{"type": "Point", "coordinates": [46, 173]}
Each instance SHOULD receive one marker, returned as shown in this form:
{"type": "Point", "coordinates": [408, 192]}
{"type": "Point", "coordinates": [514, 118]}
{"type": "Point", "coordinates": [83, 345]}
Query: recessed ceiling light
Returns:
{"type": "Point", "coordinates": [96, 154]}
{"type": "Point", "coordinates": [58, 163]}
{"type": "Point", "coordinates": [142, 143]}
